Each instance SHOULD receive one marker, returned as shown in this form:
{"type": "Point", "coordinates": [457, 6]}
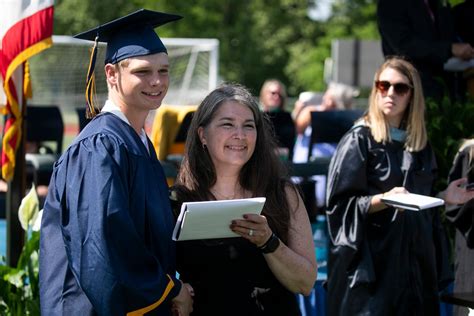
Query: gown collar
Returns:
{"type": "Point", "coordinates": [114, 109]}
{"type": "Point", "coordinates": [398, 135]}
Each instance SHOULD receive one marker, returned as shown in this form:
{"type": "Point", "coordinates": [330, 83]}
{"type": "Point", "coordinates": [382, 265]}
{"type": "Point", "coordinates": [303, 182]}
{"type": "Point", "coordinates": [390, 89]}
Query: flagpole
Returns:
{"type": "Point", "coordinates": [15, 193]}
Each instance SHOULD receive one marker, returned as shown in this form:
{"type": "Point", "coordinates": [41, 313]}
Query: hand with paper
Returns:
{"type": "Point", "coordinates": [410, 201]}
{"type": "Point", "coordinates": [212, 219]}
{"type": "Point", "coordinates": [255, 229]}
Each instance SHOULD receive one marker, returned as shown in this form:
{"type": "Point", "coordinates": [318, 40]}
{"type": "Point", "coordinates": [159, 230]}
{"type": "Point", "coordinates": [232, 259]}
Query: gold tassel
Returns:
{"type": "Point", "coordinates": [90, 83]}
{"type": "Point", "coordinates": [27, 90]}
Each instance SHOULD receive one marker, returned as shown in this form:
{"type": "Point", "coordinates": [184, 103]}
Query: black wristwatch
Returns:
{"type": "Point", "coordinates": [271, 245]}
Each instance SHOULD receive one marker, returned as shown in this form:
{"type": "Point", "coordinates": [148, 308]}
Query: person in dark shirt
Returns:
{"type": "Point", "coordinates": [464, 27]}
{"type": "Point", "coordinates": [460, 214]}
{"type": "Point", "coordinates": [463, 21]}
{"type": "Point", "coordinates": [106, 230]}
{"type": "Point", "coordinates": [423, 31]}
{"type": "Point", "coordinates": [273, 101]}
{"type": "Point", "coordinates": [230, 154]}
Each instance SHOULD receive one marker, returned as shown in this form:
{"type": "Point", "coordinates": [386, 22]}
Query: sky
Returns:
{"type": "Point", "coordinates": [320, 10]}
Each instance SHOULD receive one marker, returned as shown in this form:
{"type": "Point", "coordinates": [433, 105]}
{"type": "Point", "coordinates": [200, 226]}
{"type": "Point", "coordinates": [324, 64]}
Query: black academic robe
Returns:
{"type": "Point", "coordinates": [383, 263]}
{"type": "Point", "coordinates": [106, 245]}
{"type": "Point", "coordinates": [463, 219]}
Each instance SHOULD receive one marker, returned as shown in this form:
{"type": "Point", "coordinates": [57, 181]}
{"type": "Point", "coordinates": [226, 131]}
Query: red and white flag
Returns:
{"type": "Point", "coordinates": [26, 29]}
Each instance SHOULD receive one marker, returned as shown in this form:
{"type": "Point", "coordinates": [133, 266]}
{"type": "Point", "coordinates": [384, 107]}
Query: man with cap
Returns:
{"type": "Point", "coordinates": [106, 246]}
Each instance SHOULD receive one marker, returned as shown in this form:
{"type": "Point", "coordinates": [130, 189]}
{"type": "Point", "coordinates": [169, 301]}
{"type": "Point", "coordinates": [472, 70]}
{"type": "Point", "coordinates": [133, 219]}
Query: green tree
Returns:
{"type": "Point", "coordinates": [255, 36]}
{"type": "Point", "coordinates": [258, 39]}
{"type": "Point", "coordinates": [75, 16]}
{"type": "Point", "coordinates": [349, 19]}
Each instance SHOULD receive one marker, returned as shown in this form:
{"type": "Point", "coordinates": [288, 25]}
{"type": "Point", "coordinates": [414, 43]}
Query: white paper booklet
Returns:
{"type": "Point", "coordinates": [411, 201]}
{"type": "Point", "coordinates": [211, 219]}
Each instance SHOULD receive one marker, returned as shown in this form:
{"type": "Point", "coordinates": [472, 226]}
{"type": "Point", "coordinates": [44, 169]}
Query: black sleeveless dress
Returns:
{"type": "Point", "coordinates": [231, 277]}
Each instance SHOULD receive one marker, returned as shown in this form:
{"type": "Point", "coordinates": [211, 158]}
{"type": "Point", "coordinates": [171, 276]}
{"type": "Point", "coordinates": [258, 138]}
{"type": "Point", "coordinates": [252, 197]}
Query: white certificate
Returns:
{"type": "Point", "coordinates": [211, 219]}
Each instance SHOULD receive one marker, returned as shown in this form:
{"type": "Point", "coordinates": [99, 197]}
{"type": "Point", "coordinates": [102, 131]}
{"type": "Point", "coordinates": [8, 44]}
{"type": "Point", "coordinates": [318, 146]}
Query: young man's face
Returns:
{"type": "Point", "coordinates": [142, 82]}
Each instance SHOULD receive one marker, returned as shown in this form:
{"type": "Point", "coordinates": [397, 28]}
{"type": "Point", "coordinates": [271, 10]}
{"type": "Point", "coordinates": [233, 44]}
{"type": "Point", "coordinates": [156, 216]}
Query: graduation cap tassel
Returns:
{"type": "Point", "coordinates": [90, 82]}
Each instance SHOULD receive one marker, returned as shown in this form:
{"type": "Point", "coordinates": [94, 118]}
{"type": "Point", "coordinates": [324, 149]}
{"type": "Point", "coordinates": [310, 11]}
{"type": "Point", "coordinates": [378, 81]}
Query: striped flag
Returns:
{"type": "Point", "coordinates": [26, 29]}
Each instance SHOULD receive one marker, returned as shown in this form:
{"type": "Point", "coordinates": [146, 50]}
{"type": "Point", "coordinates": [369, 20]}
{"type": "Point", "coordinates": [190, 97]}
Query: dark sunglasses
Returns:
{"type": "Point", "coordinates": [399, 88]}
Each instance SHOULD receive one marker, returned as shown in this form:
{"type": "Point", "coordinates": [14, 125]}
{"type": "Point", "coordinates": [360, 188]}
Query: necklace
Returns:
{"type": "Point", "coordinates": [223, 196]}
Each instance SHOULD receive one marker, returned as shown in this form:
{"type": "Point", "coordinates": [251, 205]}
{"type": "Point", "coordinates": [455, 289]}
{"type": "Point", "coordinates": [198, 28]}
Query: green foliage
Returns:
{"type": "Point", "coordinates": [258, 39]}
{"type": "Point", "coordinates": [19, 291]}
{"type": "Point", "coordinates": [448, 123]}
{"type": "Point", "coordinates": [75, 16]}
{"type": "Point", "coordinates": [455, 2]}
{"type": "Point", "coordinates": [305, 64]}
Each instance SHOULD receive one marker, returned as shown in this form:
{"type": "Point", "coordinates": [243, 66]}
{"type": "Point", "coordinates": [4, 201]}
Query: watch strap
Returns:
{"type": "Point", "coordinates": [271, 245]}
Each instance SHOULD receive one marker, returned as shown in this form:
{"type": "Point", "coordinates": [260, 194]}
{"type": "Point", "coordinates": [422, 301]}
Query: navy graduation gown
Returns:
{"type": "Point", "coordinates": [388, 262]}
{"type": "Point", "coordinates": [106, 231]}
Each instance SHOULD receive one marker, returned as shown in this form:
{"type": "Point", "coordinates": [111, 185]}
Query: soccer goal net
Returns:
{"type": "Point", "coordinates": [58, 73]}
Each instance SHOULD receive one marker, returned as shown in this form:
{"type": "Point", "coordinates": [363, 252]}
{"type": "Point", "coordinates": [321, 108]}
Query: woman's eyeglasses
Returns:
{"type": "Point", "coordinates": [399, 88]}
{"type": "Point", "coordinates": [275, 93]}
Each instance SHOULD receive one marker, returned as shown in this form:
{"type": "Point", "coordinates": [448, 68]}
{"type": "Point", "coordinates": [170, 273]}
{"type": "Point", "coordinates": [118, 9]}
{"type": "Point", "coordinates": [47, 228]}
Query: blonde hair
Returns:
{"type": "Point", "coordinates": [283, 94]}
{"type": "Point", "coordinates": [468, 143]}
{"type": "Point", "coordinates": [414, 117]}
{"type": "Point", "coordinates": [123, 63]}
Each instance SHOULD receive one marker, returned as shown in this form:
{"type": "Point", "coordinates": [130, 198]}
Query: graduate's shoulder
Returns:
{"type": "Point", "coordinates": [108, 131]}
{"type": "Point", "coordinates": [360, 129]}
{"type": "Point", "coordinates": [109, 125]}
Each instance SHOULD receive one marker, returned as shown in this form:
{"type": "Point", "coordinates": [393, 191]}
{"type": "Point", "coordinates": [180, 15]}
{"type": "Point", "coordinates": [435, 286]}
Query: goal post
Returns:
{"type": "Point", "coordinates": [58, 73]}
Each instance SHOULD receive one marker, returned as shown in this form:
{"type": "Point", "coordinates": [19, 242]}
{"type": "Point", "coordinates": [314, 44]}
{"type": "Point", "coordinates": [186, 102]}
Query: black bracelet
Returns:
{"type": "Point", "coordinates": [271, 245]}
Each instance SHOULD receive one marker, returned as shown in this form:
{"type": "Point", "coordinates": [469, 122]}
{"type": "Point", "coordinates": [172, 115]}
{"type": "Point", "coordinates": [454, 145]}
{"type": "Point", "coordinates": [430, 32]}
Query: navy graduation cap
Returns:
{"type": "Point", "coordinates": [129, 36]}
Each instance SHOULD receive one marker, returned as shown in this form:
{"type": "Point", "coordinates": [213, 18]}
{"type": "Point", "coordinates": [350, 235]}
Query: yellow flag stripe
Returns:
{"type": "Point", "coordinates": [15, 129]}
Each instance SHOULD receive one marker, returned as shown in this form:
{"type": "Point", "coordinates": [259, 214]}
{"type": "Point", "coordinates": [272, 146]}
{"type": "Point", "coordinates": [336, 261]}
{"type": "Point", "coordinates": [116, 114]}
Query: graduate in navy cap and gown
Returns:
{"type": "Point", "coordinates": [106, 245]}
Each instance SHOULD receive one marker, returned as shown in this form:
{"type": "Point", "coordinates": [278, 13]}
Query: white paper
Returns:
{"type": "Point", "coordinates": [458, 64]}
{"type": "Point", "coordinates": [411, 201]}
{"type": "Point", "coordinates": [211, 219]}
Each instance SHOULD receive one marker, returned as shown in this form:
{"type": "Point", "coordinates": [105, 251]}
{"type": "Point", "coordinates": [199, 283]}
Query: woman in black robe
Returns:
{"type": "Point", "coordinates": [461, 215]}
{"type": "Point", "coordinates": [384, 261]}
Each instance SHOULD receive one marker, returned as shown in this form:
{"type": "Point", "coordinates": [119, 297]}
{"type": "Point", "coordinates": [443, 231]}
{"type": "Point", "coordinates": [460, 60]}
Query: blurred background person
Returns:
{"type": "Point", "coordinates": [463, 14]}
{"type": "Point", "coordinates": [338, 96]}
{"type": "Point", "coordinates": [230, 154]}
{"type": "Point", "coordinates": [463, 21]}
{"type": "Point", "coordinates": [461, 215]}
{"type": "Point", "coordinates": [423, 31]}
{"type": "Point", "coordinates": [273, 96]}
{"type": "Point", "coordinates": [272, 101]}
